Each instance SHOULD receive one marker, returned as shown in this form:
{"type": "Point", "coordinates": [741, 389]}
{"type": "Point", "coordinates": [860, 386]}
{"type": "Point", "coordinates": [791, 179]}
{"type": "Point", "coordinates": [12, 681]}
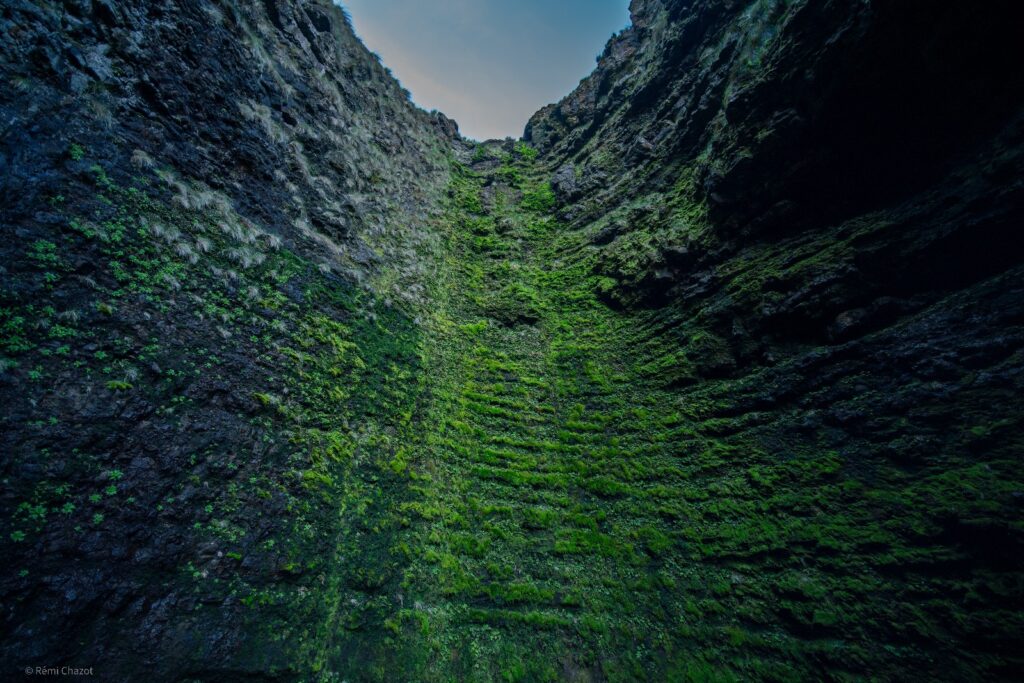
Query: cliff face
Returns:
{"type": "Point", "coordinates": [713, 376]}
{"type": "Point", "coordinates": [790, 112]}
{"type": "Point", "coordinates": [206, 207]}
{"type": "Point", "coordinates": [718, 145]}
{"type": "Point", "coordinates": [813, 208]}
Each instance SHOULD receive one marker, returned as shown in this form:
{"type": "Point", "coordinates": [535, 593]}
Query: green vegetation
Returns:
{"type": "Point", "coordinates": [570, 503]}
{"type": "Point", "coordinates": [505, 478]}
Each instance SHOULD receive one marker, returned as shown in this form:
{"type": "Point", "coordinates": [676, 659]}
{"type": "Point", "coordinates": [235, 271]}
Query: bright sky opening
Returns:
{"type": "Point", "coordinates": [488, 64]}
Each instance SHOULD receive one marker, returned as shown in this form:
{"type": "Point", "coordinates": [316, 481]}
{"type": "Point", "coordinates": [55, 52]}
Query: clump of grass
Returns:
{"type": "Point", "coordinates": [246, 257]}
{"type": "Point", "coordinates": [141, 159]}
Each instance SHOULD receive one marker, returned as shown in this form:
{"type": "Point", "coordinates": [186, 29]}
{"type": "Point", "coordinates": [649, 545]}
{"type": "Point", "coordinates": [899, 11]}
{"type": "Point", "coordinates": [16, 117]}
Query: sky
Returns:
{"type": "Point", "coordinates": [488, 64]}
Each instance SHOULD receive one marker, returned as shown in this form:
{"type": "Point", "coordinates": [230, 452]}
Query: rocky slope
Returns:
{"type": "Point", "coordinates": [714, 376]}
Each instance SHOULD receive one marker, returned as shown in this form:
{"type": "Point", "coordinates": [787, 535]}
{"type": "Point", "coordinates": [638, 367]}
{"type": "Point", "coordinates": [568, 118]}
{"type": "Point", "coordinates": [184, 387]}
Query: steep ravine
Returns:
{"type": "Point", "coordinates": [714, 376]}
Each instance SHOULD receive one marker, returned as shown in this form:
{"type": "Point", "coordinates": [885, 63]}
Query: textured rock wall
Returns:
{"type": "Point", "coordinates": [820, 201]}
{"type": "Point", "coordinates": [277, 106]}
{"type": "Point", "coordinates": [199, 201]}
{"type": "Point", "coordinates": [780, 119]}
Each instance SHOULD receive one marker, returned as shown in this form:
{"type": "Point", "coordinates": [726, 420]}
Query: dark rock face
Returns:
{"type": "Point", "coordinates": [182, 185]}
{"type": "Point", "coordinates": [776, 120]}
{"type": "Point", "coordinates": [802, 111]}
{"type": "Point", "coordinates": [831, 192]}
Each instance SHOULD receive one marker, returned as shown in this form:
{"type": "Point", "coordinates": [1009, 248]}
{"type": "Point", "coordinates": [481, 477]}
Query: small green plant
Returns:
{"type": "Point", "coordinates": [540, 199]}
{"type": "Point", "coordinates": [76, 151]}
{"type": "Point", "coordinates": [525, 151]}
{"type": "Point", "coordinates": [44, 254]}
{"type": "Point", "coordinates": [118, 385]}
{"type": "Point", "coordinates": [62, 332]}
{"type": "Point", "coordinates": [510, 175]}
{"type": "Point", "coordinates": [264, 398]}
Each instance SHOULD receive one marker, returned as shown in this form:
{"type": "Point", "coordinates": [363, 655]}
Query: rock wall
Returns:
{"type": "Point", "coordinates": [205, 206]}
{"type": "Point", "coordinates": [787, 122]}
{"type": "Point", "coordinates": [818, 203]}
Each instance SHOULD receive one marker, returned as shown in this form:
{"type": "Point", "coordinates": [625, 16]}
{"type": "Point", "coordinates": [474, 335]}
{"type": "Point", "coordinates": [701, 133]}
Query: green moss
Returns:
{"type": "Point", "coordinates": [514, 479]}
{"type": "Point", "coordinates": [540, 199]}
